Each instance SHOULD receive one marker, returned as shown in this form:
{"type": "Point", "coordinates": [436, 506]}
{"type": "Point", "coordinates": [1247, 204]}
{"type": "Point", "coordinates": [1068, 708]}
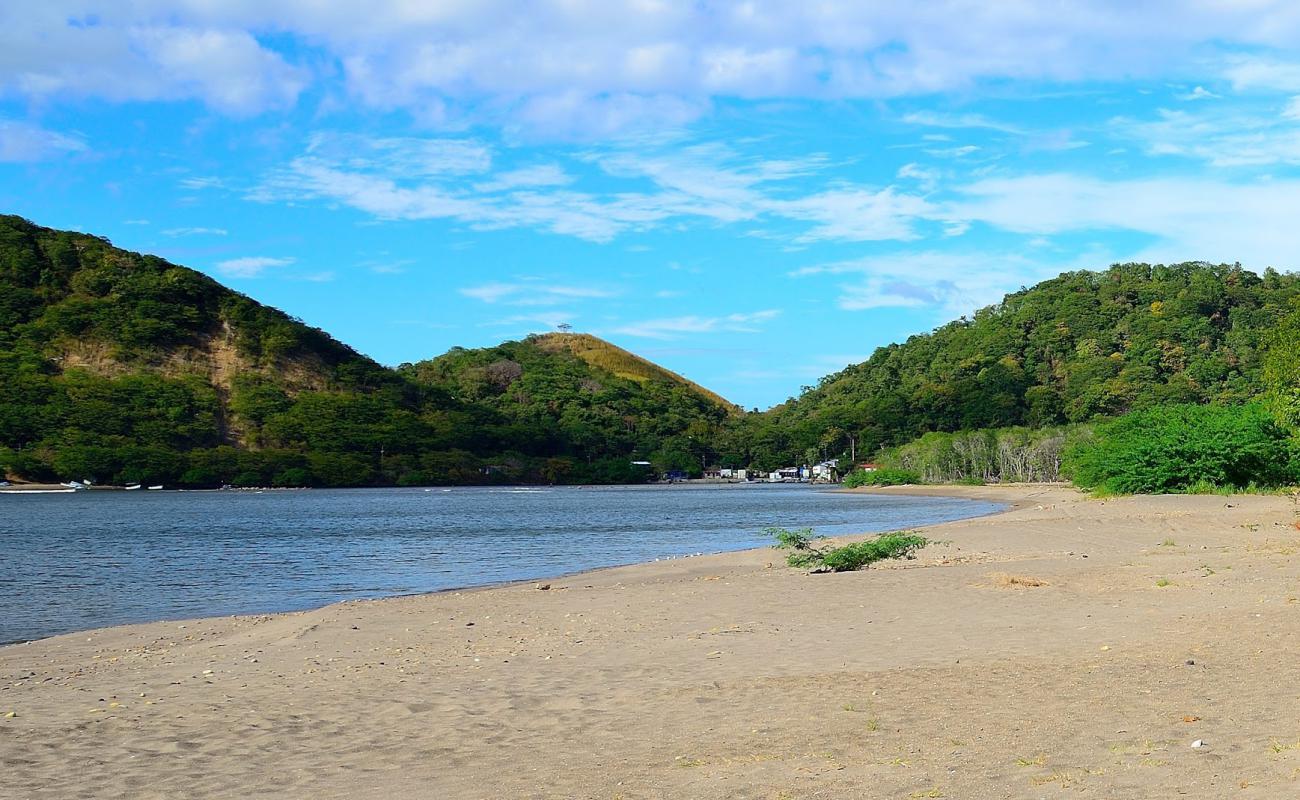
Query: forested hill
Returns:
{"type": "Point", "coordinates": [121, 367]}
{"type": "Point", "coordinates": [1081, 345]}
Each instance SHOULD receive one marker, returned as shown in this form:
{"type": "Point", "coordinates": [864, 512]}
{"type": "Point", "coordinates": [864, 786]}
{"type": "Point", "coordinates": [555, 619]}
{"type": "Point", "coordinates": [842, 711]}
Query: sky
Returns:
{"type": "Point", "coordinates": [752, 194]}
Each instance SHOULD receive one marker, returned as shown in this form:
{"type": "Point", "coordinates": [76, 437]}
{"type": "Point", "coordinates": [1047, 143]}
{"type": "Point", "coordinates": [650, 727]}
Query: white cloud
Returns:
{"type": "Point", "coordinates": [1248, 73]}
{"type": "Point", "coordinates": [142, 51]}
{"type": "Point", "coordinates": [25, 142]}
{"type": "Point", "coordinates": [250, 266]}
{"type": "Point", "coordinates": [1199, 93]}
{"type": "Point", "coordinates": [926, 178]}
{"type": "Point", "coordinates": [676, 327]}
{"type": "Point", "coordinates": [1187, 219]}
{"type": "Point", "coordinates": [584, 68]}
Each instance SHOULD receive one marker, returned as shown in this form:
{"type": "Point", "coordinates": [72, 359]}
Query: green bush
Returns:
{"type": "Point", "coordinates": [881, 477]}
{"type": "Point", "coordinates": [805, 554]}
{"type": "Point", "coordinates": [1180, 448]}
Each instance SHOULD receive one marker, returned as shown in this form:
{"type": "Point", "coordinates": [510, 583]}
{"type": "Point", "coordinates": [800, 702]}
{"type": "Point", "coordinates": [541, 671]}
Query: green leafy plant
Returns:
{"type": "Point", "coordinates": [805, 554]}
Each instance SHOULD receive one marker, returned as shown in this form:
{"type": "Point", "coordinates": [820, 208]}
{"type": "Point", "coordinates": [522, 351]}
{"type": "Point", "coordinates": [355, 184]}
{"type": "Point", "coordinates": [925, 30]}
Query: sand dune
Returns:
{"type": "Point", "coordinates": [1068, 645]}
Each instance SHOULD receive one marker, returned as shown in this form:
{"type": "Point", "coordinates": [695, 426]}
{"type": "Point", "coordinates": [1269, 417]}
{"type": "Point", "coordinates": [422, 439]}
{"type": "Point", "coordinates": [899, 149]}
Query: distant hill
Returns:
{"type": "Point", "coordinates": [121, 367]}
{"type": "Point", "coordinates": [1070, 349]}
{"type": "Point", "coordinates": [579, 389]}
{"type": "Point", "coordinates": [617, 361]}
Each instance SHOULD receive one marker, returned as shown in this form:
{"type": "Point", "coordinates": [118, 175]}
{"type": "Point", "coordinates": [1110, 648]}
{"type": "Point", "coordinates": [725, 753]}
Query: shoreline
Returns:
{"type": "Point", "coordinates": [1066, 642]}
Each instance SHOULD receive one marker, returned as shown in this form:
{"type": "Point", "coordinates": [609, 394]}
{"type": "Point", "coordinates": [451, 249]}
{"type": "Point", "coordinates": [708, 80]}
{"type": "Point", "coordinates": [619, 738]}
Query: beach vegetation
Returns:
{"type": "Point", "coordinates": [1183, 448]}
{"type": "Point", "coordinates": [805, 552]}
{"type": "Point", "coordinates": [1016, 454]}
{"type": "Point", "coordinates": [881, 477]}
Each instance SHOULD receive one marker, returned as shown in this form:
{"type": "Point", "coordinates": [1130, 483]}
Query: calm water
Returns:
{"type": "Point", "coordinates": [91, 559]}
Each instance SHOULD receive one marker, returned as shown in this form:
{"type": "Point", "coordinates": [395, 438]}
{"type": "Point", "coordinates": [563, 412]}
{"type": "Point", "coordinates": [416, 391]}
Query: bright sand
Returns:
{"type": "Point", "coordinates": [1158, 622]}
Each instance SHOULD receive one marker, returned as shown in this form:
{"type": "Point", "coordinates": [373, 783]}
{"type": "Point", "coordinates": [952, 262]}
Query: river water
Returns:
{"type": "Point", "coordinates": [76, 561]}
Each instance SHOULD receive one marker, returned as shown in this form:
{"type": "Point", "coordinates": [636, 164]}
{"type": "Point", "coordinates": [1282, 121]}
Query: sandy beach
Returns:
{"type": "Point", "coordinates": [1068, 645]}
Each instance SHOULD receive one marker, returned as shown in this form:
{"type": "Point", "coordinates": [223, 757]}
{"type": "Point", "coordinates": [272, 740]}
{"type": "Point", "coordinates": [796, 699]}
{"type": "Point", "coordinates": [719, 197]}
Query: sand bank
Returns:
{"type": "Point", "coordinates": [1066, 645]}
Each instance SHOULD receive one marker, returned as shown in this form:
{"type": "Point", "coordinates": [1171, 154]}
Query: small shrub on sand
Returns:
{"type": "Point", "coordinates": [805, 553]}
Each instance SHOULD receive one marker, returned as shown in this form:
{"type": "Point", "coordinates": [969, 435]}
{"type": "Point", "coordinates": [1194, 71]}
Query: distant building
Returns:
{"type": "Point", "coordinates": [868, 466]}
{"type": "Point", "coordinates": [784, 475]}
{"type": "Point", "coordinates": [826, 472]}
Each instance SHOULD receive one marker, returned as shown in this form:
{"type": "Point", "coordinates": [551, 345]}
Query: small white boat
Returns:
{"type": "Point", "coordinates": [75, 485]}
{"type": "Point", "coordinates": [132, 487]}
{"type": "Point", "coordinates": [155, 488]}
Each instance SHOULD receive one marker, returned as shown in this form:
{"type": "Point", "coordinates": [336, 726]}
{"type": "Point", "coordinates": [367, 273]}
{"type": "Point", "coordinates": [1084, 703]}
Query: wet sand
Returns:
{"type": "Point", "coordinates": [1066, 646]}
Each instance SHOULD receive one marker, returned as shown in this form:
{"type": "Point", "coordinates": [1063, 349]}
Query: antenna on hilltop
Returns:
{"type": "Point", "coordinates": [564, 327]}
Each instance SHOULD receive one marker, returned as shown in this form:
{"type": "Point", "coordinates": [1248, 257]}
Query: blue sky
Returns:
{"type": "Point", "coordinates": [753, 194]}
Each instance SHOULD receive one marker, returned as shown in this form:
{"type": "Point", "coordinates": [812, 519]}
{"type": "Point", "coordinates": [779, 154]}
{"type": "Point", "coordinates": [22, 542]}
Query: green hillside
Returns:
{"type": "Point", "coordinates": [550, 394]}
{"type": "Point", "coordinates": [120, 367]}
{"type": "Point", "coordinates": [1074, 348]}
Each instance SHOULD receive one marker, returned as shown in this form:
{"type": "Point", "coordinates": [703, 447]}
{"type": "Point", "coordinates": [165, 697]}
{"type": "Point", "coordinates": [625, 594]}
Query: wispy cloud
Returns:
{"type": "Point", "coordinates": [936, 119]}
{"type": "Point", "coordinates": [534, 294]}
{"type": "Point", "coordinates": [677, 327]}
{"type": "Point", "coordinates": [202, 182]}
{"type": "Point", "coordinates": [535, 321]}
{"type": "Point", "coordinates": [195, 232]}
{"type": "Point", "coordinates": [26, 142]}
{"type": "Point", "coordinates": [706, 183]}
{"type": "Point", "coordinates": [250, 266]}
{"type": "Point", "coordinates": [1249, 135]}
{"type": "Point", "coordinates": [949, 282]}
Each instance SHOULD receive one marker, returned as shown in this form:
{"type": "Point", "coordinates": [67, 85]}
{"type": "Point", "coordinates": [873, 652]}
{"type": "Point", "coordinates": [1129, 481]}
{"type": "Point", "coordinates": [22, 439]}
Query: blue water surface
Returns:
{"type": "Point", "coordinates": [97, 558]}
